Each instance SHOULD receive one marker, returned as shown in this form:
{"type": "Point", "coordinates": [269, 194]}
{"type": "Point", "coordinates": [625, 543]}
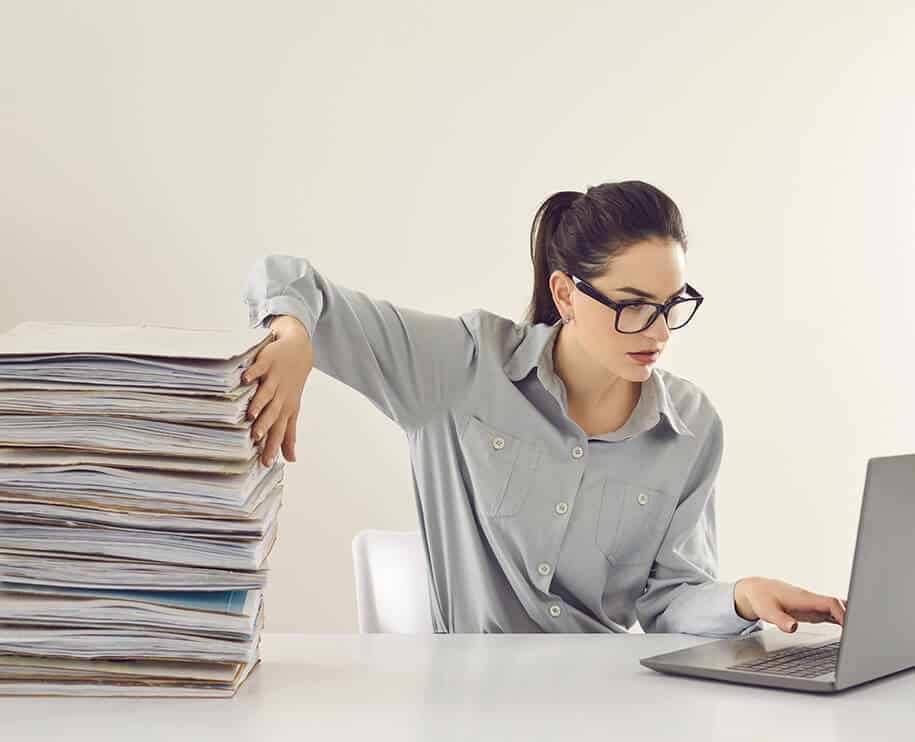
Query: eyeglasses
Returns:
{"type": "Point", "coordinates": [636, 316]}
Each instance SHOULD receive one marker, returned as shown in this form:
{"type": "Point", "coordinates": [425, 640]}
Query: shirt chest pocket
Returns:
{"type": "Point", "coordinates": [631, 522]}
{"type": "Point", "coordinates": [501, 466]}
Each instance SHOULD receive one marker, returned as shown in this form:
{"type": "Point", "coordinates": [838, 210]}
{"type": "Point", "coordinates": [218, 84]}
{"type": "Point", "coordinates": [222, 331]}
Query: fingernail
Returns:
{"type": "Point", "coordinates": [244, 379]}
{"type": "Point", "coordinates": [258, 435]}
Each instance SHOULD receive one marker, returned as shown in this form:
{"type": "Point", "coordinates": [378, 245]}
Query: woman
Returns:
{"type": "Point", "coordinates": [563, 482]}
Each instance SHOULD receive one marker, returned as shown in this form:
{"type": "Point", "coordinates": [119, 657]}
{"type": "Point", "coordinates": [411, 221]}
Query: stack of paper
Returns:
{"type": "Point", "coordinates": [135, 516]}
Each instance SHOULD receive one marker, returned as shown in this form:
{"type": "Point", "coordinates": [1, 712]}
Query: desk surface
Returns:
{"type": "Point", "coordinates": [471, 687]}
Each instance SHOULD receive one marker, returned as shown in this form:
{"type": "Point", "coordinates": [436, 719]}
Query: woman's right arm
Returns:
{"type": "Point", "coordinates": [410, 364]}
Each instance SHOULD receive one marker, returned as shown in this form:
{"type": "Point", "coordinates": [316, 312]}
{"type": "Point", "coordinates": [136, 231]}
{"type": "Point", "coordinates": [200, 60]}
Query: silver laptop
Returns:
{"type": "Point", "coordinates": [876, 638]}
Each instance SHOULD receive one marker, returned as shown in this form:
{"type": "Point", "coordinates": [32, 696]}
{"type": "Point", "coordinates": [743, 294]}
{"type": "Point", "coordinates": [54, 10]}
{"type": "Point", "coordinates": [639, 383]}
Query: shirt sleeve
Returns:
{"type": "Point", "coordinates": [683, 594]}
{"type": "Point", "coordinates": [410, 364]}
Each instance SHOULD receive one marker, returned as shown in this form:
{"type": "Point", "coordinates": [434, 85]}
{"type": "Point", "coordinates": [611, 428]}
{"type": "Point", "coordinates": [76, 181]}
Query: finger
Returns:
{"type": "Point", "coordinates": [805, 600]}
{"type": "Point", "coordinates": [261, 399]}
{"type": "Point", "coordinates": [265, 420]}
{"type": "Point", "coordinates": [831, 608]}
{"type": "Point", "coordinates": [814, 608]}
{"type": "Point", "coordinates": [252, 373]}
{"type": "Point", "coordinates": [781, 619]}
{"type": "Point", "coordinates": [838, 611]}
{"type": "Point", "coordinates": [289, 439]}
{"type": "Point", "coordinates": [813, 616]}
{"type": "Point", "coordinates": [256, 369]}
{"type": "Point", "coordinates": [273, 440]}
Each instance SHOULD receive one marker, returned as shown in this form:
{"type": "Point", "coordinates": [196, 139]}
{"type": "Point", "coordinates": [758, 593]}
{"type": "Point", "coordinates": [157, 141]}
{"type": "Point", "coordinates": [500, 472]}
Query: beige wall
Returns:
{"type": "Point", "coordinates": [150, 151]}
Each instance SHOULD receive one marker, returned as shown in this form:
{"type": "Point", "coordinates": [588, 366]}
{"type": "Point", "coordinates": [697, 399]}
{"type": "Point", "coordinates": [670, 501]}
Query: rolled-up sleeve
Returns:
{"type": "Point", "coordinates": [683, 594]}
{"type": "Point", "coordinates": [410, 364]}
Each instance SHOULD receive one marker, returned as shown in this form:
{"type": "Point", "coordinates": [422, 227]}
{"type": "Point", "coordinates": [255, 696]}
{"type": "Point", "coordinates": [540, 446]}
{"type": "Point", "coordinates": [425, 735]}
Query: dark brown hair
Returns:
{"type": "Point", "coordinates": [582, 233]}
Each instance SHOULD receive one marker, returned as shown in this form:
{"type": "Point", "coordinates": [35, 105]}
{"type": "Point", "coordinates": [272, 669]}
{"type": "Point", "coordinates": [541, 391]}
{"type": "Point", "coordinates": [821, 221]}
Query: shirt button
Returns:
{"type": "Point", "coordinates": [555, 610]}
{"type": "Point", "coordinates": [562, 508]}
{"type": "Point", "coordinates": [544, 568]}
{"type": "Point", "coordinates": [643, 498]}
{"type": "Point", "coordinates": [498, 443]}
{"type": "Point", "coordinates": [578, 452]}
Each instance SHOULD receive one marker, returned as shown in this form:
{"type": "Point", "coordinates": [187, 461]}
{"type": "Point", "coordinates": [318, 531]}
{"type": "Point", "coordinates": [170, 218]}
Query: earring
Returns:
{"type": "Point", "coordinates": [566, 320]}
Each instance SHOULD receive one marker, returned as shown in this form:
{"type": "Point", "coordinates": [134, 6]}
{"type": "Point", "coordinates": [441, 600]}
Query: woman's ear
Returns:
{"type": "Point", "coordinates": [561, 288]}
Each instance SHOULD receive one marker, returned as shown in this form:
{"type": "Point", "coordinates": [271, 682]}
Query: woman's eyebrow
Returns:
{"type": "Point", "coordinates": [639, 292]}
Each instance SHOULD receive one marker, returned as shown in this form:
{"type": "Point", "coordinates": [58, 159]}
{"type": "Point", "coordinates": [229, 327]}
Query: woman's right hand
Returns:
{"type": "Point", "coordinates": [282, 367]}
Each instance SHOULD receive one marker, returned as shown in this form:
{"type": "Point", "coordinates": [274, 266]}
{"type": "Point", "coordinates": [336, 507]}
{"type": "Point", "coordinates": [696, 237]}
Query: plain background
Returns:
{"type": "Point", "coordinates": [151, 151]}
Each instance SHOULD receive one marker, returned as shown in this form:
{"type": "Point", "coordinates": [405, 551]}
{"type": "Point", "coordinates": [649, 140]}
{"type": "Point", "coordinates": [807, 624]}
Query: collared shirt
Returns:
{"type": "Point", "coordinates": [528, 523]}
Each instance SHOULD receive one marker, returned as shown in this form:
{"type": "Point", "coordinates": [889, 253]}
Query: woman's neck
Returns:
{"type": "Point", "coordinates": [598, 402]}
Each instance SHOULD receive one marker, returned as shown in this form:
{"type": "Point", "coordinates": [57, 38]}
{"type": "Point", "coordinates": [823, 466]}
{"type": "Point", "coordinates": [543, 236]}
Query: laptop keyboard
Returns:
{"type": "Point", "coordinates": [802, 662]}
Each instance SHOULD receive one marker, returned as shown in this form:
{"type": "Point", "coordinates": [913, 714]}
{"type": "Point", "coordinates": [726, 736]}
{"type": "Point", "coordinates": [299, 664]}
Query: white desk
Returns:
{"type": "Point", "coordinates": [474, 686]}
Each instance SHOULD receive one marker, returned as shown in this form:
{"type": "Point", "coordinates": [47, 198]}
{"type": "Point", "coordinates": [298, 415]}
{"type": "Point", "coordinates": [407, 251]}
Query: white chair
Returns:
{"type": "Point", "coordinates": [392, 593]}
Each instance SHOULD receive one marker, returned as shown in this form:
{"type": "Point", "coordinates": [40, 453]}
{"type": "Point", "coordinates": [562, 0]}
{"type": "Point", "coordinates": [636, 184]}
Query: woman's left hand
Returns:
{"type": "Point", "coordinates": [780, 603]}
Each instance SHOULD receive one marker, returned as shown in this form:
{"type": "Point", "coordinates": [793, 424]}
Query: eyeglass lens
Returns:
{"type": "Point", "coordinates": [635, 317]}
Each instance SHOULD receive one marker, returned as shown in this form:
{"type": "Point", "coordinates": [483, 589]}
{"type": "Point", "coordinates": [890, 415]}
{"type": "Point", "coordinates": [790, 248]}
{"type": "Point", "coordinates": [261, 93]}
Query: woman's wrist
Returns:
{"type": "Point", "coordinates": [286, 324]}
{"type": "Point", "coordinates": [741, 603]}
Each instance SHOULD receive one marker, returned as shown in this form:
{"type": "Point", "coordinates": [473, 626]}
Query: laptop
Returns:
{"type": "Point", "coordinates": [876, 639]}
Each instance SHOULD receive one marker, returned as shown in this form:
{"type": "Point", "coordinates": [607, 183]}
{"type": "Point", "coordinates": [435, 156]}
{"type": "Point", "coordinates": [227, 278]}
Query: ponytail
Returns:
{"type": "Point", "coordinates": [544, 231]}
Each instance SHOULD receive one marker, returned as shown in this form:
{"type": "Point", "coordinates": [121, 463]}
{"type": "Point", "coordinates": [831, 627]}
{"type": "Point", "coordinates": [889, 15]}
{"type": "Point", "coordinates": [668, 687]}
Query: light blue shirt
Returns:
{"type": "Point", "coordinates": [528, 523]}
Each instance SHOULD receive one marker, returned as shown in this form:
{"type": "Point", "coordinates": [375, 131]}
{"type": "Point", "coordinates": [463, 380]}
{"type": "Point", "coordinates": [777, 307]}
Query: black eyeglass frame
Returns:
{"type": "Point", "coordinates": [616, 306]}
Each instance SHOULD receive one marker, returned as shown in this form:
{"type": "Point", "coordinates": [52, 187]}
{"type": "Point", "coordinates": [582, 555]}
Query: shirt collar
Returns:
{"type": "Point", "coordinates": [536, 351]}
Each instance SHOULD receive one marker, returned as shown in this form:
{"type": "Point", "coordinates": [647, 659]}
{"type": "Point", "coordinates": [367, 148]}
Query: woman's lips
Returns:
{"type": "Point", "coordinates": [644, 357]}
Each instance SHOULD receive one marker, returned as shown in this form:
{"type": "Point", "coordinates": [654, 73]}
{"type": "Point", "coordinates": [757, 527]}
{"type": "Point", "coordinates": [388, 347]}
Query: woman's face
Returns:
{"type": "Point", "coordinates": [654, 267]}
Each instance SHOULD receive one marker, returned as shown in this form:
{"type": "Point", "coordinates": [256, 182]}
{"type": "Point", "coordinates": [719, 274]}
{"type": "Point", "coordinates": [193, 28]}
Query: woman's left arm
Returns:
{"type": "Point", "coordinates": [683, 593]}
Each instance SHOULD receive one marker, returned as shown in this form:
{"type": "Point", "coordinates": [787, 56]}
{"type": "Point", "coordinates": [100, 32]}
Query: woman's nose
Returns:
{"type": "Point", "coordinates": [659, 328]}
